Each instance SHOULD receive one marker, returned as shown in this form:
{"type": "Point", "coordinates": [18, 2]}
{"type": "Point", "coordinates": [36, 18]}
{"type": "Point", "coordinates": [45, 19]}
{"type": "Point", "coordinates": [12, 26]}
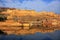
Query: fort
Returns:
{"type": "Point", "coordinates": [15, 21]}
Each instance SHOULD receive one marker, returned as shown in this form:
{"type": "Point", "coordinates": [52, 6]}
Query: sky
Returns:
{"type": "Point", "coordinates": [37, 5]}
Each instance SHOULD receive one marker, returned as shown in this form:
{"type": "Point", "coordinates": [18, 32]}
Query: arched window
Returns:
{"type": "Point", "coordinates": [38, 20]}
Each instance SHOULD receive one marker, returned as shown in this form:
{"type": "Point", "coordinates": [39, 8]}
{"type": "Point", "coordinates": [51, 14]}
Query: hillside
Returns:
{"type": "Point", "coordinates": [16, 21]}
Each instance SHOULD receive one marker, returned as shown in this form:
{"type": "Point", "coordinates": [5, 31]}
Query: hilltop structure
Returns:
{"type": "Point", "coordinates": [18, 21]}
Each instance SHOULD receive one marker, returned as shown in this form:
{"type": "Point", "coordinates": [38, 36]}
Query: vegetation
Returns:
{"type": "Point", "coordinates": [2, 18]}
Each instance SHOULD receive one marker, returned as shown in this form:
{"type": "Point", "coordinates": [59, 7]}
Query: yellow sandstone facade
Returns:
{"type": "Point", "coordinates": [28, 21]}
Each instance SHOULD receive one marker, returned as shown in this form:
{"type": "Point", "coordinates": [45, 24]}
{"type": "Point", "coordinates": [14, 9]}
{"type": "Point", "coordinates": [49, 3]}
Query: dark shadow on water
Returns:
{"type": "Point", "coordinates": [2, 33]}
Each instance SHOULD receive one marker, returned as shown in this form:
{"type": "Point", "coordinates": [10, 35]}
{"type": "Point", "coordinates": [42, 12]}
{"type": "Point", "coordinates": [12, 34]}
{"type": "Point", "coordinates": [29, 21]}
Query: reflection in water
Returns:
{"type": "Point", "coordinates": [37, 36]}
